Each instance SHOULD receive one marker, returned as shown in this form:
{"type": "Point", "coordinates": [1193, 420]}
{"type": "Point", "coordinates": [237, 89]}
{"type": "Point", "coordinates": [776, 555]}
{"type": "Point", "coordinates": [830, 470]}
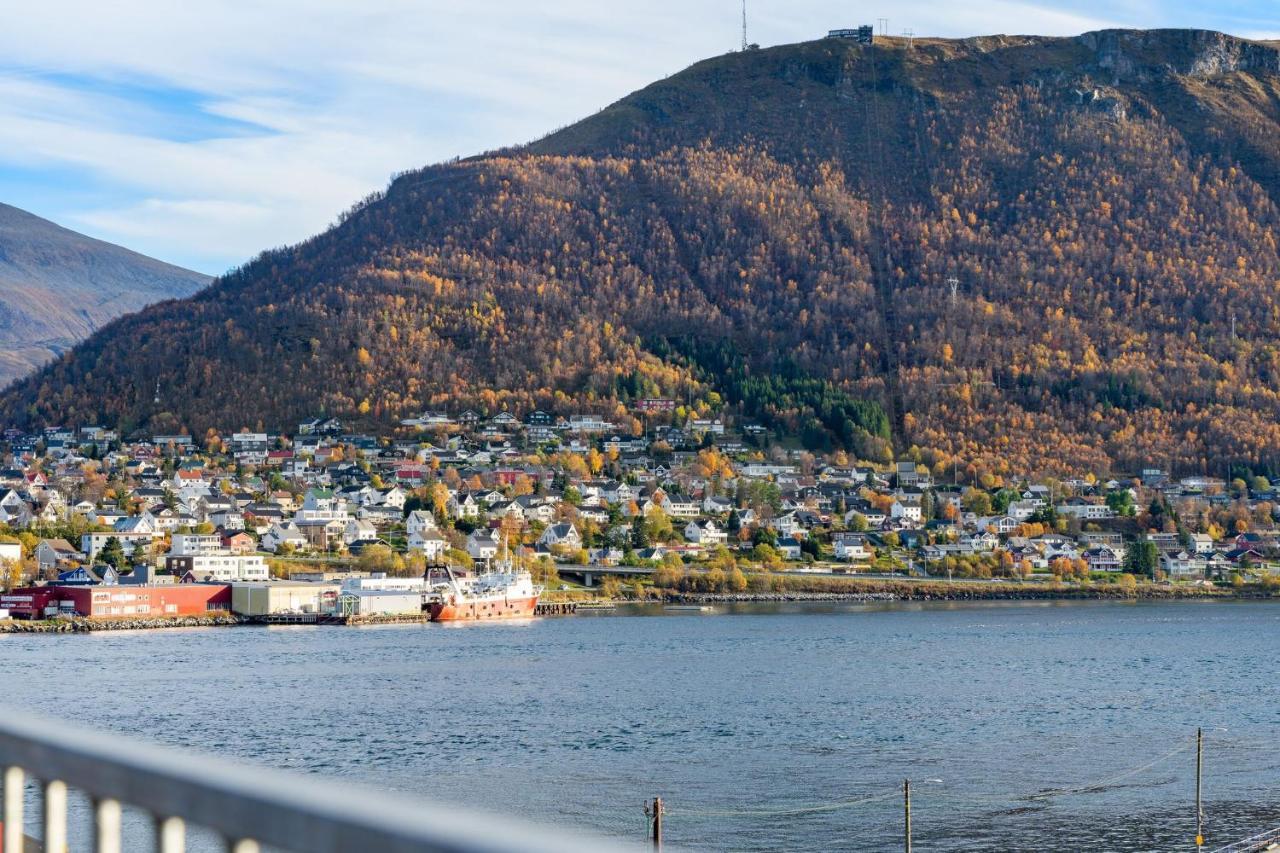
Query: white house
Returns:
{"type": "Point", "coordinates": [563, 535]}
{"type": "Point", "coordinates": [463, 505]}
{"type": "Point", "coordinates": [1182, 564]}
{"type": "Point", "coordinates": [705, 533]}
{"type": "Point", "coordinates": [321, 505]}
{"type": "Point", "coordinates": [851, 546]}
{"type": "Point", "coordinates": [282, 534]}
{"type": "Point", "coordinates": [678, 506]}
{"type": "Point", "coordinates": [906, 511]}
{"type": "Point", "coordinates": [1202, 543]}
{"type": "Point", "coordinates": [93, 543]}
{"type": "Point", "coordinates": [483, 544]}
{"type": "Point", "coordinates": [219, 568]}
{"type": "Point", "coordinates": [1002, 524]}
{"type": "Point", "coordinates": [358, 530]}
{"type": "Point", "coordinates": [713, 505]}
{"type": "Point", "coordinates": [419, 522]}
{"type": "Point", "coordinates": [429, 542]}
{"type": "Point", "coordinates": [1084, 510]}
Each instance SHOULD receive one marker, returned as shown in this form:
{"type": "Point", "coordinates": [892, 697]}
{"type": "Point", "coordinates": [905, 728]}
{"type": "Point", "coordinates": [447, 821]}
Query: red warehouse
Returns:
{"type": "Point", "coordinates": [127, 601]}
{"type": "Point", "coordinates": [31, 602]}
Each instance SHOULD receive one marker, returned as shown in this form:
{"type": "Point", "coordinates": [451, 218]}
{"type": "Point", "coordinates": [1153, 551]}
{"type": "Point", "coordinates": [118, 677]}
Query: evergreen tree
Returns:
{"type": "Point", "coordinates": [1142, 558]}
{"type": "Point", "coordinates": [113, 554]}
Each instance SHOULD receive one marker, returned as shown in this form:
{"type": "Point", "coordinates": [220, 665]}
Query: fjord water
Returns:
{"type": "Point", "coordinates": [1059, 726]}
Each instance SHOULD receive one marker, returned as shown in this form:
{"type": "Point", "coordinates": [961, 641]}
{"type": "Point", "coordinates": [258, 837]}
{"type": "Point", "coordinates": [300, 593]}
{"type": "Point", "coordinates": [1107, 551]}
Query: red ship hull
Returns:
{"type": "Point", "coordinates": [483, 611]}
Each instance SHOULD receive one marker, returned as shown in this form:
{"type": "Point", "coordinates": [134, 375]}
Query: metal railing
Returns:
{"type": "Point", "coordinates": [247, 806]}
{"type": "Point", "coordinates": [1261, 841]}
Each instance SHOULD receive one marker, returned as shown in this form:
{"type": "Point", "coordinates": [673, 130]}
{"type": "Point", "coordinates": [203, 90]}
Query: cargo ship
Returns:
{"type": "Point", "coordinates": [502, 593]}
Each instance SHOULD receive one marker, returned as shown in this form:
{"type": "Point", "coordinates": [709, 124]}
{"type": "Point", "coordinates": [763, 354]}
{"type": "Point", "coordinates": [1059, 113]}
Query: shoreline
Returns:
{"type": "Point", "coordinates": [867, 592]}
{"type": "Point", "coordinates": [85, 625]}
{"type": "Point", "coordinates": [908, 591]}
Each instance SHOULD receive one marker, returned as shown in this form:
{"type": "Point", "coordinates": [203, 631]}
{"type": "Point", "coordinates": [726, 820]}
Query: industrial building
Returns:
{"type": "Point", "coordinates": [276, 598]}
{"type": "Point", "coordinates": [862, 35]}
{"type": "Point", "coordinates": [379, 602]}
{"type": "Point", "coordinates": [380, 595]}
{"type": "Point", "coordinates": [120, 602]}
{"type": "Point", "coordinates": [30, 603]}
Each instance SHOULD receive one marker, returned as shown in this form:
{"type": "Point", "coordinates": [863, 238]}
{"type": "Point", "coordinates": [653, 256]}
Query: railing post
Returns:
{"type": "Point", "coordinates": [14, 784]}
{"type": "Point", "coordinates": [171, 835]}
{"type": "Point", "coordinates": [55, 817]}
{"type": "Point", "coordinates": [106, 827]}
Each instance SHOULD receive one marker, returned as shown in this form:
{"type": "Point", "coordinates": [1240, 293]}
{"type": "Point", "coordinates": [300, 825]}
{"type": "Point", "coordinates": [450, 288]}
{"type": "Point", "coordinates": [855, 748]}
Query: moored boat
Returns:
{"type": "Point", "coordinates": [504, 593]}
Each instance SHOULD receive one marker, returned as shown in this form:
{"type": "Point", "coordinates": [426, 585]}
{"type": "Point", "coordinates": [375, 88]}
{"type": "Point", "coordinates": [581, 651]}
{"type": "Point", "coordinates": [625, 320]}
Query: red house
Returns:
{"type": "Point", "coordinates": [238, 542]}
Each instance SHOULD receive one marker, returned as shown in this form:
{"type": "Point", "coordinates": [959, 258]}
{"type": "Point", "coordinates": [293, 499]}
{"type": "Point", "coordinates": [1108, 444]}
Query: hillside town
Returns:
{"type": "Point", "coordinates": [691, 506]}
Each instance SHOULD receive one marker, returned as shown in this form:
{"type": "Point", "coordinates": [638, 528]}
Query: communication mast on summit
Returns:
{"type": "Point", "coordinates": [744, 26]}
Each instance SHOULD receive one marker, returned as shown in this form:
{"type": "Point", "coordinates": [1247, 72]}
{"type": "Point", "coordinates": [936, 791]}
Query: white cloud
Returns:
{"type": "Point", "coordinates": [336, 95]}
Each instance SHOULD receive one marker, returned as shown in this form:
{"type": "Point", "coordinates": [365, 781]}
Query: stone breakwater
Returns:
{"type": "Point", "coordinates": [83, 626]}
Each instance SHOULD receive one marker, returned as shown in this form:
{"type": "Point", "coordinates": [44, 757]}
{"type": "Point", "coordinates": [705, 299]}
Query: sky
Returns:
{"type": "Point", "coordinates": [204, 133]}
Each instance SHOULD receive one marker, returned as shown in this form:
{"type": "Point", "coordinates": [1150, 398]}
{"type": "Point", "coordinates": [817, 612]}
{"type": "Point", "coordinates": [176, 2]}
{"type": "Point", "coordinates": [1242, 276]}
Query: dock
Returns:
{"type": "Point", "coordinates": [555, 608]}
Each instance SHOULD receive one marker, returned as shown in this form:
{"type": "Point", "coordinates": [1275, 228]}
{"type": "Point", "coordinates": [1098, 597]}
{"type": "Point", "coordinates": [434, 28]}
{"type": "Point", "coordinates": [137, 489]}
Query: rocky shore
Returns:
{"type": "Point", "coordinates": [891, 590]}
{"type": "Point", "coordinates": [79, 625]}
{"type": "Point", "coordinates": [765, 597]}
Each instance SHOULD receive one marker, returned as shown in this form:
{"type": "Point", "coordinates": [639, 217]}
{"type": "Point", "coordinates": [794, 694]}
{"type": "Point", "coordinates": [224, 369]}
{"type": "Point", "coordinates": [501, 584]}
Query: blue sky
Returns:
{"type": "Point", "coordinates": [202, 133]}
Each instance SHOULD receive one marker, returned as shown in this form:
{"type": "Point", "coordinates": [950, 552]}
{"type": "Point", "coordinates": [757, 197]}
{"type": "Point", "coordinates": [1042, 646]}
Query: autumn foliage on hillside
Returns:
{"type": "Point", "coordinates": [957, 251]}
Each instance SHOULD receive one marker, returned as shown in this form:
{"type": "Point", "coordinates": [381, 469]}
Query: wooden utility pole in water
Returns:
{"type": "Point", "coordinates": [656, 816]}
{"type": "Point", "coordinates": [1199, 776]}
{"type": "Point", "coordinates": [906, 813]}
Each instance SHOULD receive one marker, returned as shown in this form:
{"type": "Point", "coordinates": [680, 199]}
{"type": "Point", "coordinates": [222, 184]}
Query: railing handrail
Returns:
{"type": "Point", "coordinates": [287, 810]}
{"type": "Point", "coordinates": [1253, 842]}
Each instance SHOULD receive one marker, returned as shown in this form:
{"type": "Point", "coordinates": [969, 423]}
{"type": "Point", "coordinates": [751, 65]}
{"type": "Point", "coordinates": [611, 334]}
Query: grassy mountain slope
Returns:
{"type": "Point", "coordinates": [57, 287]}
{"type": "Point", "coordinates": [780, 230]}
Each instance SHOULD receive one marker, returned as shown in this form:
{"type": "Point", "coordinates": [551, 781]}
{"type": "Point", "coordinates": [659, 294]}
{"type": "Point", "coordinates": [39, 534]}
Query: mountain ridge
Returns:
{"type": "Point", "coordinates": [58, 286]}
{"type": "Point", "coordinates": [1104, 203]}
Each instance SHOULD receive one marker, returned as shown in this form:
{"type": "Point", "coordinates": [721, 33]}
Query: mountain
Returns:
{"type": "Point", "coordinates": [1007, 253]}
{"type": "Point", "coordinates": [57, 287]}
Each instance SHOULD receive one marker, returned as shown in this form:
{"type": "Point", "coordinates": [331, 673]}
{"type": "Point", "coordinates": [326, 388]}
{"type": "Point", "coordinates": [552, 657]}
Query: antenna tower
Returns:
{"type": "Point", "coordinates": [744, 26]}
{"type": "Point", "coordinates": [954, 284]}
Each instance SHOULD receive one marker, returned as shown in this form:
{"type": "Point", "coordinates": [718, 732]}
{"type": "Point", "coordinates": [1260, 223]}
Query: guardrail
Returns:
{"type": "Point", "coordinates": [247, 806]}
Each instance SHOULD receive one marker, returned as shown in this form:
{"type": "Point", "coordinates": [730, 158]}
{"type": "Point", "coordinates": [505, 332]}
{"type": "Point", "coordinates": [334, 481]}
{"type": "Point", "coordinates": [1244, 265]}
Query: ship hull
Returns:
{"type": "Point", "coordinates": [483, 610]}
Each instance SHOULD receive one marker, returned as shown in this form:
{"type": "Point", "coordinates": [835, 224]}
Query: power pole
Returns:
{"type": "Point", "coordinates": [883, 25]}
{"type": "Point", "coordinates": [954, 284]}
{"type": "Point", "coordinates": [910, 36]}
{"type": "Point", "coordinates": [1199, 776]}
{"type": "Point", "coordinates": [654, 813]}
{"type": "Point", "coordinates": [906, 813]}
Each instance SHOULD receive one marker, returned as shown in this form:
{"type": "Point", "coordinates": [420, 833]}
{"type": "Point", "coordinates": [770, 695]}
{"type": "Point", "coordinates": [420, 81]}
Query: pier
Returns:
{"type": "Point", "coordinates": [555, 608]}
